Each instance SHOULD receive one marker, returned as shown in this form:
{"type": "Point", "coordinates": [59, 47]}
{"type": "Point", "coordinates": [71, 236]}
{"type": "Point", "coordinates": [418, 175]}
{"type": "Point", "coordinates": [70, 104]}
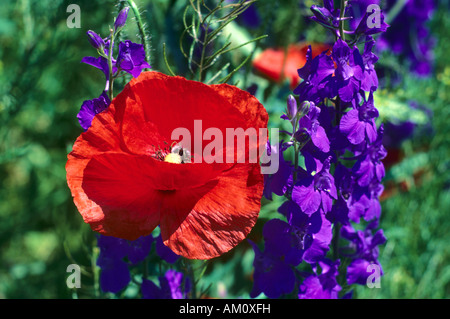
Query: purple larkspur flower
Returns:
{"type": "Point", "coordinates": [310, 235]}
{"type": "Point", "coordinates": [131, 58]}
{"type": "Point", "coordinates": [310, 125]}
{"type": "Point", "coordinates": [364, 245]}
{"type": "Point", "coordinates": [340, 73]}
{"type": "Point", "coordinates": [117, 248]}
{"type": "Point", "coordinates": [357, 10]}
{"type": "Point", "coordinates": [369, 78]}
{"type": "Point", "coordinates": [303, 237]}
{"type": "Point", "coordinates": [121, 19]}
{"type": "Point", "coordinates": [359, 270]}
{"type": "Point", "coordinates": [291, 109]}
{"type": "Point", "coordinates": [349, 73]}
{"type": "Point", "coordinates": [172, 285]}
{"type": "Point", "coordinates": [317, 76]}
{"type": "Point", "coordinates": [323, 285]}
{"type": "Point", "coordinates": [327, 15]}
{"type": "Point", "coordinates": [100, 63]}
{"type": "Point", "coordinates": [272, 276]}
{"type": "Point", "coordinates": [369, 164]}
{"type": "Point", "coordinates": [165, 252]}
{"type": "Point", "coordinates": [372, 22]}
{"type": "Point", "coordinates": [115, 275]}
{"type": "Point", "coordinates": [279, 182]}
{"type": "Point", "coordinates": [409, 36]}
{"type": "Point", "coordinates": [316, 192]}
{"type": "Point", "coordinates": [395, 133]}
{"type": "Point", "coordinates": [90, 108]}
{"type": "Point", "coordinates": [364, 202]}
{"type": "Point", "coordinates": [341, 54]}
{"type": "Point", "coordinates": [95, 40]}
{"type": "Point", "coordinates": [359, 123]}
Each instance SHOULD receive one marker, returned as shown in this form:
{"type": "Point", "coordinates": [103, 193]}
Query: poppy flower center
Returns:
{"type": "Point", "coordinates": [173, 158]}
{"type": "Point", "coordinates": [178, 155]}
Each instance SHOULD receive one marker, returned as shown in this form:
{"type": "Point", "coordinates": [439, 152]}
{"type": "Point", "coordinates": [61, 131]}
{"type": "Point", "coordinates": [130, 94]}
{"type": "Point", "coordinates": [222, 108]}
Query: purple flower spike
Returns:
{"type": "Point", "coordinates": [338, 180]}
{"type": "Point", "coordinates": [121, 19]}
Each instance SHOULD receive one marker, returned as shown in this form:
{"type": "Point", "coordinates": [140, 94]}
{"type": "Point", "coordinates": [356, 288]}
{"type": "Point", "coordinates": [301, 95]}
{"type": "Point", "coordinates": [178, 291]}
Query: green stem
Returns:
{"type": "Point", "coordinates": [144, 38]}
{"type": "Point", "coordinates": [336, 235]}
{"type": "Point", "coordinates": [202, 57]}
{"type": "Point", "coordinates": [111, 77]}
{"type": "Point", "coordinates": [341, 22]}
{"type": "Point", "coordinates": [337, 226]}
{"type": "Point", "coordinates": [96, 270]}
{"type": "Point", "coordinates": [191, 271]}
{"type": "Point", "coordinates": [396, 9]}
{"type": "Point", "coordinates": [296, 151]}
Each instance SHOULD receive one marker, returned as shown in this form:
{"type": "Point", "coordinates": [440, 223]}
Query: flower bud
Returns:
{"type": "Point", "coordinates": [291, 107]}
{"type": "Point", "coordinates": [121, 19]}
{"type": "Point", "coordinates": [95, 40]}
{"type": "Point", "coordinates": [304, 108]}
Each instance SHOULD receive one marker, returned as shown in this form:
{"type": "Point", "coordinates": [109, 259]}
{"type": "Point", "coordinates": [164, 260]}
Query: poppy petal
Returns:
{"type": "Point", "coordinates": [219, 220]}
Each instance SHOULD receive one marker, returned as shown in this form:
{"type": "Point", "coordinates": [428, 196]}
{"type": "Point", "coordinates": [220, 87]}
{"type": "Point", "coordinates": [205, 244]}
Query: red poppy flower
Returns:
{"type": "Point", "coordinates": [270, 61]}
{"type": "Point", "coordinates": [123, 187]}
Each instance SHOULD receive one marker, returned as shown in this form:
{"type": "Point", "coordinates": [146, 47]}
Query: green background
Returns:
{"type": "Point", "coordinates": [43, 84]}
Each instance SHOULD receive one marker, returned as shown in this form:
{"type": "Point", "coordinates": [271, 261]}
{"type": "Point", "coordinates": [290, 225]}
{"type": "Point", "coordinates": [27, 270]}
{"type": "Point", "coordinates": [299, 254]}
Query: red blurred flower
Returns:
{"type": "Point", "coordinates": [270, 61]}
{"type": "Point", "coordinates": [123, 187]}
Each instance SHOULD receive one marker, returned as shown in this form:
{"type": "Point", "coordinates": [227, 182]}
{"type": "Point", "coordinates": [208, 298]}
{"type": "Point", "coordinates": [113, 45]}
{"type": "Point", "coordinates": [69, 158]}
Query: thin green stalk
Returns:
{"type": "Point", "coordinates": [111, 77]}
{"type": "Point", "coordinates": [335, 243]}
{"type": "Point", "coordinates": [144, 38]}
{"type": "Point", "coordinates": [192, 275]}
{"type": "Point", "coordinates": [296, 151]}
{"type": "Point", "coordinates": [341, 22]}
{"type": "Point", "coordinates": [165, 60]}
{"type": "Point", "coordinates": [337, 226]}
{"type": "Point", "coordinates": [96, 270]}
{"type": "Point", "coordinates": [338, 104]}
{"type": "Point", "coordinates": [202, 57]}
{"type": "Point", "coordinates": [396, 9]}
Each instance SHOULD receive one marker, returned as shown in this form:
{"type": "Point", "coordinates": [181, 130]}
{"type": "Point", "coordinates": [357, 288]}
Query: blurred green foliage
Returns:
{"type": "Point", "coordinates": [43, 84]}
